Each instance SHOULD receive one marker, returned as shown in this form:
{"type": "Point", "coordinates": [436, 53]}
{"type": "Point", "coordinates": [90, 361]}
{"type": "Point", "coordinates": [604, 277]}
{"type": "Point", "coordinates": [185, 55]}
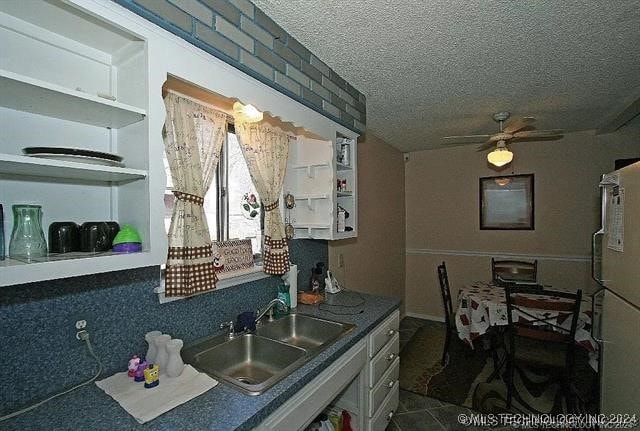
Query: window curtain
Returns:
{"type": "Point", "coordinates": [265, 150]}
{"type": "Point", "coordinates": [193, 137]}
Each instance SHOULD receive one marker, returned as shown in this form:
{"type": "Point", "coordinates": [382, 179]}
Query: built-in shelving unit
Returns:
{"type": "Point", "coordinates": [43, 98]}
{"type": "Point", "coordinates": [69, 78]}
{"type": "Point", "coordinates": [24, 166]}
{"type": "Point", "coordinates": [314, 168]}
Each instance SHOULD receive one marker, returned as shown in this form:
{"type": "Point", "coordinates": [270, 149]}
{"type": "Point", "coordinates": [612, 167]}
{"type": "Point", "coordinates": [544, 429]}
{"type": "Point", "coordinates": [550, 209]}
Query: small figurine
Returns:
{"type": "Point", "coordinates": [138, 375]}
{"type": "Point", "coordinates": [315, 282]}
{"type": "Point", "coordinates": [152, 376]}
{"type": "Point", "coordinates": [218, 264]}
{"type": "Point", "coordinates": [133, 365]}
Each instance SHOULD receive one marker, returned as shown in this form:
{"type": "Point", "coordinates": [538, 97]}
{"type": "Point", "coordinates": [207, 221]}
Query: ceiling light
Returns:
{"type": "Point", "coordinates": [249, 113]}
{"type": "Point", "coordinates": [502, 181]}
{"type": "Point", "coordinates": [500, 156]}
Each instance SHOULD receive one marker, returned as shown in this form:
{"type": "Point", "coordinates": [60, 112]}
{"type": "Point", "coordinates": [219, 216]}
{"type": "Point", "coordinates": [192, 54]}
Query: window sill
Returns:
{"type": "Point", "coordinates": [225, 280]}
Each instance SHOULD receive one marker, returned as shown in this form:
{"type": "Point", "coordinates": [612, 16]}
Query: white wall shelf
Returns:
{"type": "Point", "coordinates": [32, 166]}
{"type": "Point", "coordinates": [13, 271]}
{"type": "Point", "coordinates": [43, 98]}
{"type": "Point", "coordinates": [319, 217]}
{"type": "Point", "coordinates": [310, 168]}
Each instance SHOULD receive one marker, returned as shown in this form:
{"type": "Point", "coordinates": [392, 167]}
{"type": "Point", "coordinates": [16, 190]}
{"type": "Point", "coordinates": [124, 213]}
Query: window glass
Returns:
{"type": "Point", "coordinates": [244, 202]}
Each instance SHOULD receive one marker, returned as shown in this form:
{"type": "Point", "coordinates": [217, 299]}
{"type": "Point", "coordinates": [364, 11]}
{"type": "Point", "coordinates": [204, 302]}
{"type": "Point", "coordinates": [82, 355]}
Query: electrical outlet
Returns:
{"type": "Point", "coordinates": [341, 260]}
{"type": "Point", "coordinates": [81, 324]}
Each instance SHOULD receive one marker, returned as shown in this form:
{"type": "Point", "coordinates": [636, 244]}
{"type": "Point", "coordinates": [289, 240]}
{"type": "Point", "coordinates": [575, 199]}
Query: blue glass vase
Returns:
{"type": "Point", "coordinates": [27, 237]}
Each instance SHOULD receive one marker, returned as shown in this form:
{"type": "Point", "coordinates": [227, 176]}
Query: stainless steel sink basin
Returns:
{"type": "Point", "coordinates": [250, 362]}
{"type": "Point", "coordinates": [255, 362]}
{"type": "Point", "coordinates": [304, 331]}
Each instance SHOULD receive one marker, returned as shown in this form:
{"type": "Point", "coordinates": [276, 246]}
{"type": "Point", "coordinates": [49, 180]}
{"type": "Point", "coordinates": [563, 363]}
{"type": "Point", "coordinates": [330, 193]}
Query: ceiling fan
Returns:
{"type": "Point", "coordinates": [518, 130]}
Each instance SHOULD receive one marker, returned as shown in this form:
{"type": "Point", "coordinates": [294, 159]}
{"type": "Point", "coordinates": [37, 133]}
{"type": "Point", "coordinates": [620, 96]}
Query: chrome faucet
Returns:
{"type": "Point", "coordinates": [269, 309]}
{"type": "Point", "coordinates": [232, 332]}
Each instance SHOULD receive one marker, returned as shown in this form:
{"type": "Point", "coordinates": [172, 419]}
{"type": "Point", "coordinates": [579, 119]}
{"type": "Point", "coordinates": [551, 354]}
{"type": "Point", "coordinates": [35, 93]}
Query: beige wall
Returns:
{"type": "Point", "coordinates": [441, 192]}
{"type": "Point", "coordinates": [374, 262]}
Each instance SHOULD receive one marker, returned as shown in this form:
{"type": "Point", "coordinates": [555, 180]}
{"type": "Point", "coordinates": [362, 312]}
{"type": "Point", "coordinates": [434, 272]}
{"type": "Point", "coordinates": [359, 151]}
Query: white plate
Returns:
{"type": "Point", "coordinates": [78, 159]}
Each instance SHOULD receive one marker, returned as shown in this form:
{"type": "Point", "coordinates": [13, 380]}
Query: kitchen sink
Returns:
{"type": "Point", "coordinates": [304, 331]}
{"type": "Point", "coordinates": [255, 362]}
{"type": "Point", "coordinates": [249, 361]}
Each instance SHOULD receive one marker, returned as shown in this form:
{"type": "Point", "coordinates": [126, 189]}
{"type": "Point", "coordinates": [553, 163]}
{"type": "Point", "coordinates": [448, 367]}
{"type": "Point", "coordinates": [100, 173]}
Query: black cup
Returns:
{"type": "Point", "coordinates": [97, 236]}
{"type": "Point", "coordinates": [64, 237]}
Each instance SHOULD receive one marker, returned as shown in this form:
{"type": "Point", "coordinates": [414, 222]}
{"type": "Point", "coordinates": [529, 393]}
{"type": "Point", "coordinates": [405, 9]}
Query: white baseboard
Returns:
{"type": "Point", "coordinates": [424, 316]}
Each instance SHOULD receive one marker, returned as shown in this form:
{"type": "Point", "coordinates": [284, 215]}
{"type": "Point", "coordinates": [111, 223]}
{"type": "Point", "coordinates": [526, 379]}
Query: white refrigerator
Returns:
{"type": "Point", "coordinates": [616, 307]}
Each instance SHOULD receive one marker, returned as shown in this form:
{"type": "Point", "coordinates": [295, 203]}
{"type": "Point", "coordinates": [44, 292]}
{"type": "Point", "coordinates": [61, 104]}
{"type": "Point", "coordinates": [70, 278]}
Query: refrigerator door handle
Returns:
{"type": "Point", "coordinates": [596, 315]}
{"type": "Point", "coordinates": [596, 271]}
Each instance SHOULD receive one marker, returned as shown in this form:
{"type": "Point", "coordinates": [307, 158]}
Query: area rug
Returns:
{"type": "Point", "coordinates": [463, 380]}
{"type": "Point", "coordinates": [421, 370]}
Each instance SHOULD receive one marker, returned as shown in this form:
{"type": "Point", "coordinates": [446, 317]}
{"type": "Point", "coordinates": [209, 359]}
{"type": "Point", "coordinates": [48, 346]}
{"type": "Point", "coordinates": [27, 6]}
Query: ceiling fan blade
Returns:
{"type": "Point", "coordinates": [485, 146]}
{"type": "Point", "coordinates": [518, 124]}
{"type": "Point", "coordinates": [538, 133]}
{"type": "Point", "coordinates": [538, 138]}
{"type": "Point", "coordinates": [469, 139]}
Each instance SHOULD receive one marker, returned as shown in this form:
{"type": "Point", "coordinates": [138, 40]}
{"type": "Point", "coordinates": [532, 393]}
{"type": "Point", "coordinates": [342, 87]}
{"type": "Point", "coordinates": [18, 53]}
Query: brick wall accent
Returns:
{"type": "Point", "coordinates": [239, 33]}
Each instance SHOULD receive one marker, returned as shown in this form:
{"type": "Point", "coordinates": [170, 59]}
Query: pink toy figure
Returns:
{"type": "Point", "coordinates": [133, 365]}
{"type": "Point", "coordinates": [138, 376]}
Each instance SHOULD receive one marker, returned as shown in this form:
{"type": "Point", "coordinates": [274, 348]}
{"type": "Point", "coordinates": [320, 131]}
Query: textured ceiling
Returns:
{"type": "Point", "coordinates": [442, 67]}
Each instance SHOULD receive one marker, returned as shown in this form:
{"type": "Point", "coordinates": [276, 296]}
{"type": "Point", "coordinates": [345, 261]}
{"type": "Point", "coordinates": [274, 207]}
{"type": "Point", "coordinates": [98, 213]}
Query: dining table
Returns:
{"type": "Point", "coordinates": [483, 305]}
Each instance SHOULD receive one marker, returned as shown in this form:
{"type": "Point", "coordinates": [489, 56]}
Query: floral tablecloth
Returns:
{"type": "Point", "coordinates": [482, 305]}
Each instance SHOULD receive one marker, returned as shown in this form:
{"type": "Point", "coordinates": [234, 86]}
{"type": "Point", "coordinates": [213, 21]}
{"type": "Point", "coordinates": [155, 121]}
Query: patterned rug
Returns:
{"type": "Point", "coordinates": [463, 380]}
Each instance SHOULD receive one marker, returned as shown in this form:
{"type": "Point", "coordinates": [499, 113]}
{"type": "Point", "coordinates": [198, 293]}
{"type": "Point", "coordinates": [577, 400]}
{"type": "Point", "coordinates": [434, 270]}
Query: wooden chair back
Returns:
{"type": "Point", "coordinates": [446, 294]}
{"type": "Point", "coordinates": [539, 315]}
{"type": "Point", "coordinates": [509, 270]}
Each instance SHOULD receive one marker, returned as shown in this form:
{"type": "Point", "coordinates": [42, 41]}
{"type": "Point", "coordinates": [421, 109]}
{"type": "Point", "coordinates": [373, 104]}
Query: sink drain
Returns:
{"type": "Point", "coordinates": [245, 380]}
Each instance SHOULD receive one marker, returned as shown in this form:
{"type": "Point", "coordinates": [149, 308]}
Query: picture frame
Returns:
{"type": "Point", "coordinates": [507, 202]}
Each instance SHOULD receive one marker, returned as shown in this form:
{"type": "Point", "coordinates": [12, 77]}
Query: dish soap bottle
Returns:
{"type": "Point", "coordinates": [283, 294]}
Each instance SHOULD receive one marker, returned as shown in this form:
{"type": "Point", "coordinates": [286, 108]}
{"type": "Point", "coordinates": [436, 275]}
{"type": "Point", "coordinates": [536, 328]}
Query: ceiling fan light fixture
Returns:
{"type": "Point", "coordinates": [500, 156]}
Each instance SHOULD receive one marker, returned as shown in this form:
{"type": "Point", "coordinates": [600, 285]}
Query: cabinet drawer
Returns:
{"type": "Point", "coordinates": [383, 333]}
{"type": "Point", "coordinates": [383, 360]}
{"type": "Point", "coordinates": [384, 387]}
{"type": "Point", "coordinates": [388, 408]}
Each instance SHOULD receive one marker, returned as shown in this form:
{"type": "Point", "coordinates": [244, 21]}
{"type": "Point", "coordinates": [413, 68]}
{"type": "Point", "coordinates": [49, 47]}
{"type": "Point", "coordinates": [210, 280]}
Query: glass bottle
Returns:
{"type": "Point", "coordinates": [27, 237]}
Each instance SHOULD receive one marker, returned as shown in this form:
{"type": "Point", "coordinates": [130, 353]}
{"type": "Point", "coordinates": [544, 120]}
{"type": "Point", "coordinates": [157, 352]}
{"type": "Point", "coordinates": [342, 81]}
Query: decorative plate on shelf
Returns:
{"type": "Point", "coordinates": [79, 155]}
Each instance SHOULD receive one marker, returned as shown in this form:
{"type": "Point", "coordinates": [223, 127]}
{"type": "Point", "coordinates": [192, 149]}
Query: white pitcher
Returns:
{"type": "Point", "coordinates": [175, 364]}
{"type": "Point", "coordinates": [162, 355]}
{"type": "Point", "coordinates": [152, 351]}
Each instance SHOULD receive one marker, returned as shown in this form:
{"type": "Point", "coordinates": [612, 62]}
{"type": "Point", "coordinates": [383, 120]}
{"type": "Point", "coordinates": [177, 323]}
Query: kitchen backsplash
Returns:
{"type": "Point", "coordinates": [39, 351]}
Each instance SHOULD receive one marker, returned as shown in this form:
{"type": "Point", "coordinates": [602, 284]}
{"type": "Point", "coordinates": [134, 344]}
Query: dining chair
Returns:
{"type": "Point", "coordinates": [448, 309]}
{"type": "Point", "coordinates": [540, 333]}
{"type": "Point", "coordinates": [510, 270]}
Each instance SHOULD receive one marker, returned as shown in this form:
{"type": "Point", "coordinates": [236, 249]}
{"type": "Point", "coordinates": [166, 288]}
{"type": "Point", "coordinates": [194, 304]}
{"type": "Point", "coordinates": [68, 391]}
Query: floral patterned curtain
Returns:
{"type": "Point", "coordinates": [193, 136]}
{"type": "Point", "coordinates": [266, 149]}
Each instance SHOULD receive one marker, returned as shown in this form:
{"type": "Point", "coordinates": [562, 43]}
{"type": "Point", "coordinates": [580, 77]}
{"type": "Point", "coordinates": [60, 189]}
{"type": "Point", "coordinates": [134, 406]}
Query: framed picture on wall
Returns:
{"type": "Point", "coordinates": [506, 202]}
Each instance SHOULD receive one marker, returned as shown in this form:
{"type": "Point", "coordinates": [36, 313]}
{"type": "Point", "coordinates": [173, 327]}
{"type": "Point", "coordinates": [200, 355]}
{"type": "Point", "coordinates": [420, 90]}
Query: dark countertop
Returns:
{"type": "Point", "coordinates": [221, 408]}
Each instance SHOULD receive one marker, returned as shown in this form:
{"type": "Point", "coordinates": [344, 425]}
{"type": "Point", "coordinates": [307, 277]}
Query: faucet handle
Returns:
{"type": "Point", "coordinates": [229, 325]}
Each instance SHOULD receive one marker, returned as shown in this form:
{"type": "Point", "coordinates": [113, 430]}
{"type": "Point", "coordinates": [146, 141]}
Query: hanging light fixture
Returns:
{"type": "Point", "coordinates": [500, 156]}
{"type": "Point", "coordinates": [248, 112]}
